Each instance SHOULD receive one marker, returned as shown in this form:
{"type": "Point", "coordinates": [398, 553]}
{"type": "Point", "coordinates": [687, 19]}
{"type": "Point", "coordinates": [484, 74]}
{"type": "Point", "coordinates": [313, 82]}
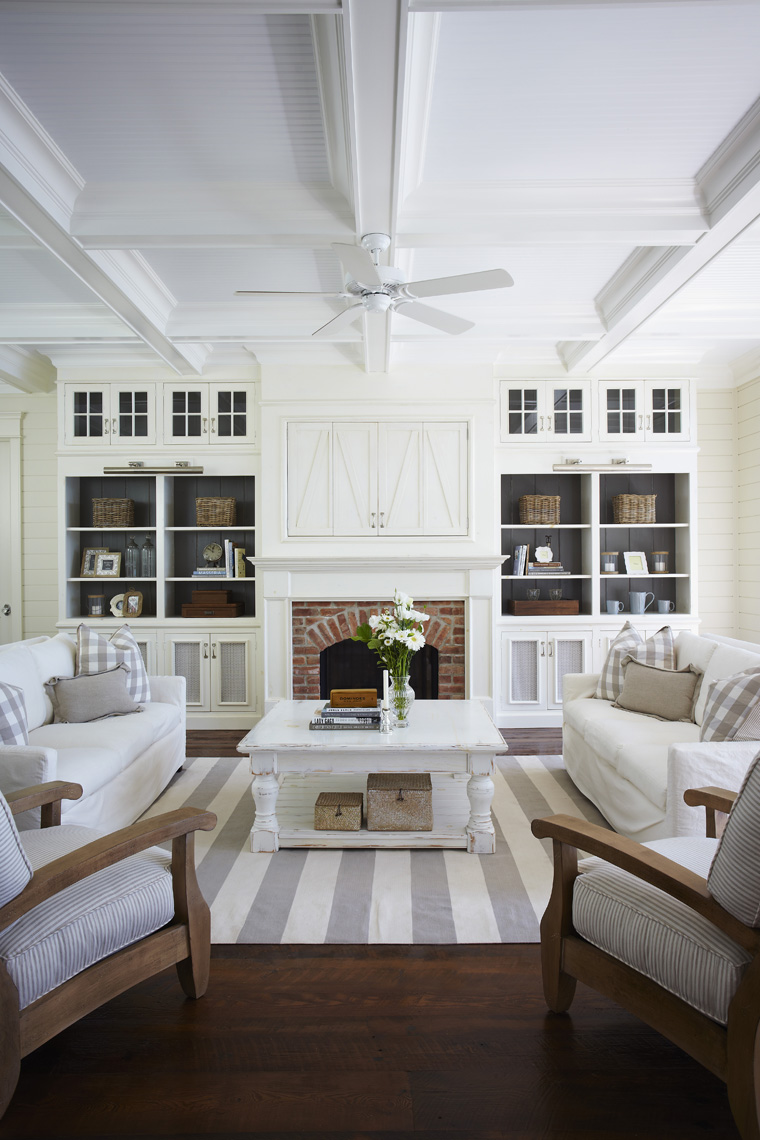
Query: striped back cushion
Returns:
{"type": "Point", "coordinates": [611, 676]}
{"type": "Point", "coordinates": [732, 706]}
{"type": "Point", "coordinates": [13, 725]}
{"type": "Point", "coordinates": [734, 878]}
{"type": "Point", "coordinates": [96, 654]}
{"type": "Point", "coordinates": [15, 868]}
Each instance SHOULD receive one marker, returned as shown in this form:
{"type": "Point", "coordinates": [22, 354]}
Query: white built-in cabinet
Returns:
{"type": "Point", "coordinates": [649, 411]}
{"type": "Point", "coordinates": [534, 661]}
{"type": "Point", "coordinates": [163, 414]}
{"type": "Point", "coordinates": [384, 478]}
{"type": "Point", "coordinates": [544, 411]}
{"type": "Point", "coordinates": [218, 667]}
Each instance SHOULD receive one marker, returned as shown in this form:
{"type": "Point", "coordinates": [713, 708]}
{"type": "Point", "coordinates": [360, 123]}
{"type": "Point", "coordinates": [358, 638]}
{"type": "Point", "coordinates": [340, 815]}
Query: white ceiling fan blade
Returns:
{"type": "Point", "coordinates": [358, 264]}
{"type": "Point", "coordinates": [446, 322]}
{"type": "Point", "coordinates": [345, 318]}
{"type": "Point", "coordinates": [462, 283]}
{"type": "Point", "coordinates": [284, 293]}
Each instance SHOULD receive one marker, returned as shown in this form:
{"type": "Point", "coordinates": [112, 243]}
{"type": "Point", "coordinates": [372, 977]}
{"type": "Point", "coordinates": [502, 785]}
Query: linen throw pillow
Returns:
{"type": "Point", "coordinates": [92, 696]}
{"type": "Point", "coordinates": [732, 707]}
{"type": "Point", "coordinates": [96, 653]}
{"type": "Point", "coordinates": [667, 694]}
{"type": "Point", "coordinates": [14, 728]}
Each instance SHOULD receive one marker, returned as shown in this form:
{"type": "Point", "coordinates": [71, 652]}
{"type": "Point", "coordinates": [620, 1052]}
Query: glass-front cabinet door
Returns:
{"type": "Point", "coordinates": [644, 410]}
{"type": "Point", "coordinates": [109, 415]}
{"type": "Point", "coordinates": [667, 411]}
{"type": "Point", "coordinates": [541, 411]}
{"type": "Point", "coordinates": [216, 413]}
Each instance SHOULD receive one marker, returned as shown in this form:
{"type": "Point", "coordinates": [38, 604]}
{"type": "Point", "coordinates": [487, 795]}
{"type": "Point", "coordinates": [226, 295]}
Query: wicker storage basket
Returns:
{"type": "Point", "coordinates": [338, 811]}
{"type": "Point", "coordinates": [113, 512]}
{"type": "Point", "coordinates": [540, 509]}
{"type": "Point", "coordinates": [399, 801]}
{"type": "Point", "coordinates": [215, 512]}
{"type": "Point", "coordinates": [633, 509]}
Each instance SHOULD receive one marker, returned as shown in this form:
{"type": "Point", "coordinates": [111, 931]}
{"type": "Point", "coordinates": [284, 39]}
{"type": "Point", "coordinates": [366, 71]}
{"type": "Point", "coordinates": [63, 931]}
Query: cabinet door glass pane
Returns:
{"type": "Point", "coordinates": [568, 411]}
{"type": "Point", "coordinates": [133, 414]}
{"type": "Point", "coordinates": [88, 414]}
{"type": "Point", "coordinates": [666, 411]}
{"type": "Point", "coordinates": [186, 414]}
{"type": "Point", "coordinates": [231, 409]}
{"type": "Point", "coordinates": [523, 408]}
{"type": "Point", "coordinates": [621, 411]}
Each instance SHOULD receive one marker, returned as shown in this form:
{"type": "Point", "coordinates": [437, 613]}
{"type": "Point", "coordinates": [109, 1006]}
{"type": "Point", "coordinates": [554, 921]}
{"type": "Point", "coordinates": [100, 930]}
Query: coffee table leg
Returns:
{"type": "Point", "coordinates": [481, 837]}
{"type": "Point", "coordinates": [265, 789]}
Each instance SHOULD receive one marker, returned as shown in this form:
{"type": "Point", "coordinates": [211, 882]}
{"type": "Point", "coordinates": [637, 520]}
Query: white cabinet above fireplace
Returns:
{"type": "Point", "coordinates": [384, 478]}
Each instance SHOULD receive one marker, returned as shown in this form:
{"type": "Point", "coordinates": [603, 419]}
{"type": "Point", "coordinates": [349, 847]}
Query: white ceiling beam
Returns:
{"type": "Point", "coordinates": [729, 184]}
{"type": "Point", "coordinates": [25, 371]}
{"type": "Point", "coordinates": [26, 323]}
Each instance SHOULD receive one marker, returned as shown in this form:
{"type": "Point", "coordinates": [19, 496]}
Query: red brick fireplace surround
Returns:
{"type": "Point", "coordinates": [316, 625]}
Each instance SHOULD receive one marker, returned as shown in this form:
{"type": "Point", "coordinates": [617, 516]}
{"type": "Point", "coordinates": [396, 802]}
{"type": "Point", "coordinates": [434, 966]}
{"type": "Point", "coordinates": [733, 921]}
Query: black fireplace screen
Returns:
{"type": "Point", "coordinates": [351, 665]}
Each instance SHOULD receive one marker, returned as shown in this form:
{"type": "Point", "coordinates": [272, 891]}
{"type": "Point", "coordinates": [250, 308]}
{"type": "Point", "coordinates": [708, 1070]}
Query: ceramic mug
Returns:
{"type": "Point", "coordinates": [665, 607]}
{"type": "Point", "coordinates": [638, 601]}
{"type": "Point", "coordinates": [614, 607]}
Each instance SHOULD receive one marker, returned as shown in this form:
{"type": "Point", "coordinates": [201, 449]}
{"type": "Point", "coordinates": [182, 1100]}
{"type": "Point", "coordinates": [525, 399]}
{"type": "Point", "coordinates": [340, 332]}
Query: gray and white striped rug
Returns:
{"type": "Point", "coordinates": [376, 896]}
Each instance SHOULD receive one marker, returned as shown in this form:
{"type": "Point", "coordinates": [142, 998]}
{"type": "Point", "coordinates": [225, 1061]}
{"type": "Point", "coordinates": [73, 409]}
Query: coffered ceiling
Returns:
{"type": "Point", "coordinates": [157, 156]}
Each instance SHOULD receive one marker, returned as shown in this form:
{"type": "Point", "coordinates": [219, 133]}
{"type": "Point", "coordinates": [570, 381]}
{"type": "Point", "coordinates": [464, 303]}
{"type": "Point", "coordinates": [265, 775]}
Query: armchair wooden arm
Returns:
{"type": "Point", "coordinates": [712, 800]}
{"type": "Point", "coordinates": [569, 833]}
{"type": "Point", "coordinates": [84, 861]}
{"type": "Point", "coordinates": [47, 796]}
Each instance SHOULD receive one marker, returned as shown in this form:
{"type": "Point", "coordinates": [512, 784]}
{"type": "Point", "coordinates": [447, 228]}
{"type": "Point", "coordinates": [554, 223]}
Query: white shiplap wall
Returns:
{"type": "Point", "coordinates": [716, 485]}
{"type": "Point", "coordinates": [38, 509]}
{"type": "Point", "coordinates": [748, 510]}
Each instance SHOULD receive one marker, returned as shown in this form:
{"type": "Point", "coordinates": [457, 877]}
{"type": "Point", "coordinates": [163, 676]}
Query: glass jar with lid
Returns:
{"type": "Point", "coordinates": [148, 559]}
{"type": "Point", "coordinates": [609, 562]}
{"type": "Point", "coordinates": [132, 559]}
{"type": "Point", "coordinates": [660, 561]}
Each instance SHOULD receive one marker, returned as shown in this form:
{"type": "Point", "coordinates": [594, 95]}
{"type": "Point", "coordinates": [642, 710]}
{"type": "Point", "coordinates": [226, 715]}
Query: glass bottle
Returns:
{"type": "Point", "coordinates": [148, 559]}
{"type": "Point", "coordinates": [132, 560]}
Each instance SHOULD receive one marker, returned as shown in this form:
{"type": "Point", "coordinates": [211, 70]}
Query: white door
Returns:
{"type": "Point", "coordinates": [355, 479]}
{"type": "Point", "coordinates": [133, 415]}
{"type": "Point", "coordinates": [87, 415]}
{"type": "Point", "coordinates": [566, 653]}
{"type": "Point", "coordinates": [666, 418]}
{"type": "Point", "coordinates": [232, 672]}
{"type": "Point", "coordinates": [521, 407]}
{"type": "Point", "coordinates": [231, 414]}
{"type": "Point", "coordinates": [190, 657]}
{"type": "Point", "coordinates": [621, 411]}
{"type": "Point", "coordinates": [524, 671]}
{"type": "Point", "coordinates": [568, 411]}
{"type": "Point", "coordinates": [186, 414]}
{"type": "Point", "coordinates": [444, 465]}
{"type": "Point", "coordinates": [310, 510]}
{"type": "Point", "coordinates": [401, 499]}
{"type": "Point", "coordinates": [10, 527]}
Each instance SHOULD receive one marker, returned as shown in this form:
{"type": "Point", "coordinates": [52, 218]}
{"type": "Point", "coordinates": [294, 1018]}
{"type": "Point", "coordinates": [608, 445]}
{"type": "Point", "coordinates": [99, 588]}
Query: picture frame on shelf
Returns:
{"type": "Point", "coordinates": [108, 564]}
{"type": "Point", "coordinates": [90, 560]}
{"type": "Point", "coordinates": [635, 562]}
{"type": "Point", "coordinates": [132, 604]}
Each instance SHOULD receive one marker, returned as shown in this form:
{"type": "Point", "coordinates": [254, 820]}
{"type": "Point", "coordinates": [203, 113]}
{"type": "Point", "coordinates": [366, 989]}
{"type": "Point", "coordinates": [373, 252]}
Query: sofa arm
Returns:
{"type": "Point", "coordinates": [577, 685]}
{"type": "Point", "coordinates": [168, 690]}
{"type": "Point", "coordinates": [720, 762]}
{"type": "Point", "coordinates": [22, 765]}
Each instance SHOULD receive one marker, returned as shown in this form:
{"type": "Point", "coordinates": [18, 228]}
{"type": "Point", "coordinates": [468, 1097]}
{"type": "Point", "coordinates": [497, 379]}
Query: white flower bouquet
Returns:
{"type": "Point", "coordinates": [395, 635]}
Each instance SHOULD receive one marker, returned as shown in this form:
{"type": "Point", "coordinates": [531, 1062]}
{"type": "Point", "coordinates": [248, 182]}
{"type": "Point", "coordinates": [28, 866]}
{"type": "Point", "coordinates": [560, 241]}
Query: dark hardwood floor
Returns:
{"type": "Point", "coordinates": [364, 1043]}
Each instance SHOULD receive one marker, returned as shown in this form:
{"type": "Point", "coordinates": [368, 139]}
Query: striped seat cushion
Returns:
{"type": "Point", "coordinates": [734, 878]}
{"type": "Point", "coordinates": [87, 921]}
{"type": "Point", "coordinates": [657, 935]}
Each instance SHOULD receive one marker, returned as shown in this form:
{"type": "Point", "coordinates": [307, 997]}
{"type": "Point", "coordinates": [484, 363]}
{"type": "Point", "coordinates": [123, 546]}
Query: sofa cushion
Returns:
{"type": "Point", "coordinates": [731, 703]}
{"type": "Point", "coordinates": [13, 726]}
{"type": "Point", "coordinates": [94, 753]}
{"type": "Point", "coordinates": [691, 649]}
{"type": "Point", "coordinates": [726, 659]}
{"type": "Point", "coordinates": [17, 667]}
{"type": "Point", "coordinates": [658, 936]}
{"type": "Point", "coordinates": [667, 694]}
{"type": "Point", "coordinates": [92, 696]}
{"type": "Point", "coordinates": [53, 657]}
{"type": "Point", "coordinates": [95, 654]}
{"type": "Point", "coordinates": [87, 921]}
{"type": "Point", "coordinates": [734, 878]}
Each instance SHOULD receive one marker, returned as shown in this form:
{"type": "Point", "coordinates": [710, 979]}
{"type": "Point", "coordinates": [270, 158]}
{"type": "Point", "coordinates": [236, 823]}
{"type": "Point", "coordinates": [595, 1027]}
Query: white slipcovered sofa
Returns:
{"type": "Point", "coordinates": [636, 768]}
{"type": "Point", "coordinates": [123, 762]}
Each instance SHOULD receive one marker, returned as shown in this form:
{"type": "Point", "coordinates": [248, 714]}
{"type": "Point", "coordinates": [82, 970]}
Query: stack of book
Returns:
{"type": "Point", "coordinates": [233, 566]}
{"type": "Point", "coordinates": [342, 718]}
{"type": "Point", "coordinates": [519, 560]}
{"type": "Point", "coordinates": [549, 568]}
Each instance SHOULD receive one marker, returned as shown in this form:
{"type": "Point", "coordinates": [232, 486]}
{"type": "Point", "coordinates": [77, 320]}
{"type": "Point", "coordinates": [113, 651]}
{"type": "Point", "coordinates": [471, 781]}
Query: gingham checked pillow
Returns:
{"type": "Point", "coordinates": [14, 728]}
{"type": "Point", "coordinates": [732, 711]}
{"type": "Point", "coordinates": [658, 650]}
{"type": "Point", "coordinates": [96, 653]}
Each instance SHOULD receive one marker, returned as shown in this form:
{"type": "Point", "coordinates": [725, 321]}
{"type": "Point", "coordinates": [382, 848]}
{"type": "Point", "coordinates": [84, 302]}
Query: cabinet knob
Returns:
{"type": "Point", "coordinates": [114, 425]}
{"type": "Point", "coordinates": [213, 425]}
{"type": "Point", "coordinates": [649, 422]}
{"type": "Point", "coordinates": [382, 518]}
{"type": "Point", "coordinates": [541, 427]}
{"type": "Point", "coordinates": [550, 645]}
{"type": "Point", "coordinates": [213, 649]}
{"type": "Point", "coordinates": [205, 425]}
{"type": "Point", "coordinates": [548, 423]}
{"type": "Point", "coordinates": [205, 652]}
{"type": "Point", "coordinates": [641, 423]}
{"type": "Point", "coordinates": [543, 649]}
{"type": "Point", "coordinates": [372, 519]}
{"type": "Point", "coordinates": [6, 610]}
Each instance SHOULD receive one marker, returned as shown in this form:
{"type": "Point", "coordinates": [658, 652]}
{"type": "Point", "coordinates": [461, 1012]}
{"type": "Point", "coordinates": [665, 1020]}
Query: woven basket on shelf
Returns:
{"type": "Point", "coordinates": [633, 509]}
{"type": "Point", "coordinates": [540, 509]}
{"type": "Point", "coordinates": [215, 512]}
{"type": "Point", "coordinates": [113, 512]}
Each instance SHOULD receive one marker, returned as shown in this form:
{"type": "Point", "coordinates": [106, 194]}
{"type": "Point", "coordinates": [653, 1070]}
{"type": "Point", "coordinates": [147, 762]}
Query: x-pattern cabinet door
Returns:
{"type": "Point", "coordinates": [354, 452]}
{"type": "Point", "coordinates": [310, 478]}
{"type": "Point", "coordinates": [401, 498]}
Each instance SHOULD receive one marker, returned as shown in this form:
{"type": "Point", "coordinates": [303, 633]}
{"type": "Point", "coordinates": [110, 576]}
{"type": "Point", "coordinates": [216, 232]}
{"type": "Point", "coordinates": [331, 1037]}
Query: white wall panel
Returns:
{"type": "Point", "coordinates": [748, 510]}
{"type": "Point", "coordinates": [716, 481]}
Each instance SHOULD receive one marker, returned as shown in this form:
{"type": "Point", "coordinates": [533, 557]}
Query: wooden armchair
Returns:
{"type": "Point", "coordinates": [669, 930]}
{"type": "Point", "coordinates": [128, 915]}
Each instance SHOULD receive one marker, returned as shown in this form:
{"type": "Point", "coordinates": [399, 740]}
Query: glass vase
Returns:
{"type": "Point", "coordinates": [401, 697]}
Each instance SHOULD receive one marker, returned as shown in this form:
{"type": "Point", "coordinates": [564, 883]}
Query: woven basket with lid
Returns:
{"type": "Point", "coordinates": [540, 509]}
{"type": "Point", "coordinates": [215, 511]}
{"type": "Point", "coordinates": [113, 512]}
{"type": "Point", "coordinates": [633, 509]}
{"type": "Point", "coordinates": [338, 811]}
{"type": "Point", "coordinates": [399, 801]}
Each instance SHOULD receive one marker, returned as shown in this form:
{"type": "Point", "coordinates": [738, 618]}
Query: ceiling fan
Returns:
{"type": "Point", "coordinates": [377, 288]}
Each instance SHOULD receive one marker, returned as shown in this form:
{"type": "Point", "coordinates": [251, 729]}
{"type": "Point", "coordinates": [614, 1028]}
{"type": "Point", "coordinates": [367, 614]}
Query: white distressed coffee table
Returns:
{"type": "Point", "coordinates": [455, 741]}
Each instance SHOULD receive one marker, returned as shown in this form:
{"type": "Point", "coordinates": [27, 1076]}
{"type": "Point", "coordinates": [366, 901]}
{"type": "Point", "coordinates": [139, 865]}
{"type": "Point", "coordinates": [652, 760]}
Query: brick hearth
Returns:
{"type": "Point", "coordinates": [317, 625]}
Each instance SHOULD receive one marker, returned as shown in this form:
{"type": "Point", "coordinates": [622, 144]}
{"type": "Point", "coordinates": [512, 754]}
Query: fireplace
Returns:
{"type": "Point", "coordinates": [352, 665]}
{"type": "Point", "coordinates": [318, 625]}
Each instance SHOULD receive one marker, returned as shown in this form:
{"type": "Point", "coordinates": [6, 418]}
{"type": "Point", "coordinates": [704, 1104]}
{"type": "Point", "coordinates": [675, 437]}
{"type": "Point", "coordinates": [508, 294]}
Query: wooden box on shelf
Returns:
{"type": "Point", "coordinates": [210, 597]}
{"type": "Point", "coordinates": [525, 608]}
{"type": "Point", "coordinates": [220, 610]}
